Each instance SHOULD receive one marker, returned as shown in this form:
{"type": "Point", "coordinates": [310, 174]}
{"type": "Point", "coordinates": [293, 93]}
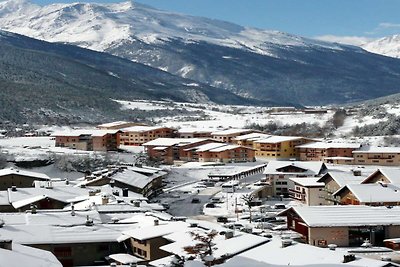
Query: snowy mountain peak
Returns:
{"type": "Point", "coordinates": [101, 26]}
{"type": "Point", "coordinates": [388, 46]}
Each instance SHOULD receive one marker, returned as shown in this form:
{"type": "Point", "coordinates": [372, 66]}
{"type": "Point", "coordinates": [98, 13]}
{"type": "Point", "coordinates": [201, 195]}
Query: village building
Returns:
{"type": "Point", "coordinates": [327, 151]}
{"type": "Point", "coordinates": [334, 180]}
{"type": "Point", "coordinates": [308, 191]}
{"type": "Point", "coordinates": [220, 152]}
{"type": "Point", "coordinates": [11, 177]}
{"type": "Point", "coordinates": [384, 156]}
{"type": "Point", "coordinates": [193, 133]}
{"type": "Point", "coordinates": [117, 125]}
{"type": "Point", "coordinates": [375, 194]}
{"type": "Point", "coordinates": [249, 139]}
{"type": "Point", "coordinates": [278, 174]}
{"type": "Point", "coordinates": [75, 238]}
{"type": "Point", "coordinates": [89, 140]}
{"type": "Point", "coordinates": [142, 180]}
{"type": "Point", "coordinates": [279, 147]}
{"type": "Point", "coordinates": [168, 150]}
{"type": "Point", "coordinates": [138, 135]}
{"type": "Point", "coordinates": [227, 136]}
{"type": "Point", "coordinates": [344, 226]}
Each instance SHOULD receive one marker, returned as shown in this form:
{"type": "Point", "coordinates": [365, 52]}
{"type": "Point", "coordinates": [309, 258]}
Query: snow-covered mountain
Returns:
{"type": "Point", "coordinates": [101, 26]}
{"type": "Point", "coordinates": [252, 63]}
{"type": "Point", "coordinates": [387, 46]}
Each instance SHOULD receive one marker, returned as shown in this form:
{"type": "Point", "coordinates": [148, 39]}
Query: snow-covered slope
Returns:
{"type": "Point", "coordinates": [101, 26]}
{"type": "Point", "coordinates": [387, 46]}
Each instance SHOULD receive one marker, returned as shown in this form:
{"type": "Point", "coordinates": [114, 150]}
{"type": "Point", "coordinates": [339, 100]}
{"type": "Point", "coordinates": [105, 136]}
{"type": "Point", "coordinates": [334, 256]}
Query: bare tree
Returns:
{"type": "Point", "coordinates": [205, 245]}
{"type": "Point", "coordinates": [248, 199]}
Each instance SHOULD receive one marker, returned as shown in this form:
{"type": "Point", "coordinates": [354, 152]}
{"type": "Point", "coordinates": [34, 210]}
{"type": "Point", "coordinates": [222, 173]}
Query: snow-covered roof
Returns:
{"type": "Point", "coordinates": [112, 124]}
{"type": "Point", "coordinates": [308, 182]}
{"type": "Point", "coordinates": [376, 192]}
{"type": "Point", "coordinates": [141, 129]}
{"type": "Point", "coordinates": [224, 148]}
{"type": "Point", "coordinates": [278, 139]}
{"type": "Point", "coordinates": [194, 130]}
{"type": "Point", "coordinates": [252, 136]}
{"type": "Point", "coordinates": [50, 217]}
{"type": "Point", "coordinates": [343, 178]}
{"type": "Point", "coordinates": [25, 196]}
{"type": "Point", "coordinates": [297, 254]}
{"type": "Point", "coordinates": [21, 255]}
{"type": "Point", "coordinates": [149, 232]}
{"type": "Point", "coordinates": [377, 149]}
{"type": "Point", "coordinates": [206, 147]}
{"type": "Point", "coordinates": [125, 258]}
{"type": "Point", "coordinates": [45, 234]}
{"type": "Point", "coordinates": [174, 141]}
{"type": "Point", "coordinates": [224, 247]}
{"type": "Point", "coordinates": [348, 215]}
{"type": "Point", "coordinates": [311, 167]}
{"type": "Point", "coordinates": [91, 132]}
{"type": "Point", "coordinates": [232, 131]}
{"type": "Point", "coordinates": [34, 175]}
{"type": "Point", "coordinates": [327, 145]}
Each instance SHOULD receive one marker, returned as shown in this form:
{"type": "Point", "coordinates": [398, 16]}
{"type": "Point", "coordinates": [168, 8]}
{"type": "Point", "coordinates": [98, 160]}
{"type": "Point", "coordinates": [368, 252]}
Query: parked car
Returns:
{"type": "Point", "coordinates": [279, 206]}
{"type": "Point", "coordinates": [210, 205]}
{"type": "Point", "coordinates": [222, 219]}
{"type": "Point", "coordinates": [195, 200]}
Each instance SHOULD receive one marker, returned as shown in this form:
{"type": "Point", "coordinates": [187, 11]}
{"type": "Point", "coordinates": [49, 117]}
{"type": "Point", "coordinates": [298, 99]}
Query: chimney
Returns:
{"type": "Point", "coordinates": [125, 192]}
{"type": "Point", "coordinates": [92, 193]}
{"type": "Point", "coordinates": [14, 188]}
{"type": "Point", "coordinates": [89, 222]}
{"type": "Point", "coordinates": [33, 209]}
{"type": "Point", "coordinates": [72, 210]}
{"type": "Point", "coordinates": [357, 172]}
{"type": "Point", "coordinates": [6, 244]}
{"type": "Point", "coordinates": [156, 222]}
{"type": "Point", "coordinates": [104, 200]}
{"type": "Point", "coordinates": [228, 234]}
{"type": "Point", "coordinates": [112, 183]}
{"type": "Point", "coordinates": [49, 185]}
{"type": "Point", "coordinates": [66, 181]}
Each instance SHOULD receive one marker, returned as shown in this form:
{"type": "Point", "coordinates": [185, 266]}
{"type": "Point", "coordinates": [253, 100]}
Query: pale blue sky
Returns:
{"type": "Point", "coordinates": [360, 18]}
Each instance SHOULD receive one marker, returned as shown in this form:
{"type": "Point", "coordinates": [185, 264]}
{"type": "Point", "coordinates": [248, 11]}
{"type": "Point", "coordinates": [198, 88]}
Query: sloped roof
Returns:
{"type": "Point", "coordinates": [392, 174]}
{"type": "Point", "coordinates": [308, 182]}
{"type": "Point", "coordinates": [369, 193]}
{"type": "Point", "coordinates": [347, 215]}
{"type": "Point", "coordinates": [174, 141]}
{"type": "Point", "coordinates": [343, 178]}
{"type": "Point", "coordinates": [34, 175]}
{"type": "Point", "coordinates": [377, 149]}
{"type": "Point", "coordinates": [326, 145]}
{"type": "Point", "coordinates": [312, 167]}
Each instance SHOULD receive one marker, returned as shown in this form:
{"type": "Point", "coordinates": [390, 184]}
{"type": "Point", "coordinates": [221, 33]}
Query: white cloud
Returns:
{"type": "Point", "coordinates": [389, 25]}
{"type": "Point", "coordinates": [350, 40]}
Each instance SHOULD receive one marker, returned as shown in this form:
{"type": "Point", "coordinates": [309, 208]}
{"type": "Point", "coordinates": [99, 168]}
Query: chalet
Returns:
{"type": "Point", "coordinates": [334, 180]}
{"type": "Point", "coordinates": [278, 174]}
{"type": "Point", "coordinates": [321, 151]}
{"type": "Point", "coordinates": [344, 226]}
{"type": "Point", "coordinates": [75, 238]}
{"type": "Point", "coordinates": [376, 194]}
{"type": "Point", "coordinates": [383, 175]}
{"type": "Point", "coordinates": [279, 147]}
{"type": "Point", "coordinates": [142, 180]}
{"type": "Point", "coordinates": [12, 177]}
{"type": "Point", "coordinates": [308, 191]}
{"type": "Point", "coordinates": [168, 150]}
{"type": "Point", "coordinates": [146, 241]}
{"type": "Point", "coordinates": [220, 152]}
{"type": "Point", "coordinates": [227, 136]}
{"type": "Point", "coordinates": [138, 135]}
{"type": "Point", "coordinates": [385, 156]}
{"type": "Point", "coordinates": [89, 140]}
{"type": "Point", "coordinates": [116, 125]}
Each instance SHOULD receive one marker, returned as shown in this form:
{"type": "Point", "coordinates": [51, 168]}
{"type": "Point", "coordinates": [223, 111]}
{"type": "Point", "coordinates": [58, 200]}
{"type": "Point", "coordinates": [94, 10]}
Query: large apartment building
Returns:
{"type": "Point", "coordinates": [384, 156]}
{"type": "Point", "coordinates": [325, 151]}
{"type": "Point", "coordinates": [279, 147]}
{"type": "Point", "coordinates": [89, 140]}
{"type": "Point", "coordinates": [138, 135]}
